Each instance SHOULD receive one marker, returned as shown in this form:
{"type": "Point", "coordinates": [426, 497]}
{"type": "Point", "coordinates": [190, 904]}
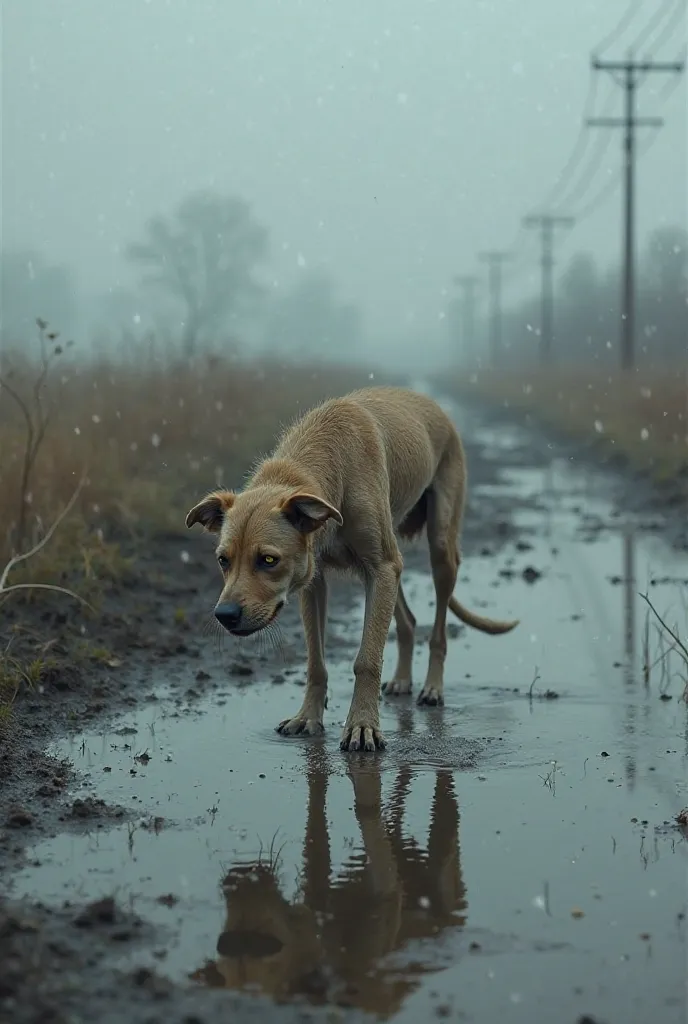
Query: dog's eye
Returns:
{"type": "Point", "coordinates": [268, 561]}
{"type": "Point", "coordinates": [223, 562]}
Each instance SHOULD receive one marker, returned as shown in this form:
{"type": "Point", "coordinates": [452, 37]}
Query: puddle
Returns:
{"type": "Point", "coordinates": [510, 856]}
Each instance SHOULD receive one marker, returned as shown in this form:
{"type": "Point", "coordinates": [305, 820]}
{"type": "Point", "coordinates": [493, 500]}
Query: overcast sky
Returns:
{"type": "Point", "coordinates": [387, 139]}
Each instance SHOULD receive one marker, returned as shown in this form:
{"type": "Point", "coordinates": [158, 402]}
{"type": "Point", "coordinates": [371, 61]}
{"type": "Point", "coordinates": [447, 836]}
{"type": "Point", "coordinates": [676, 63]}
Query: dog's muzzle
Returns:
{"type": "Point", "coordinates": [230, 616]}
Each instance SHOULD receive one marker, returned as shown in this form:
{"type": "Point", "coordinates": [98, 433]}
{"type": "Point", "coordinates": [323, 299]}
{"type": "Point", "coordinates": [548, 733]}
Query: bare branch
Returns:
{"type": "Point", "coordinates": [679, 644]}
{"type": "Point", "coordinates": [44, 586]}
{"type": "Point", "coordinates": [41, 544]}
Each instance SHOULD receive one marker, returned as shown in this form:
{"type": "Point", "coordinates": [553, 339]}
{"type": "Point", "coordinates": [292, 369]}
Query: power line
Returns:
{"type": "Point", "coordinates": [580, 144]}
{"type": "Point", "coordinates": [654, 23]}
{"type": "Point", "coordinates": [680, 11]}
{"type": "Point", "coordinates": [610, 186]}
{"type": "Point", "coordinates": [631, 71]}
{"type": "Point", "coordinates": [547, 223]}
{"type": "Point", "coordinates": [586, 179]}
{"type": "Point", "coordinates": [621, 26]}
{"type": "Point", "coordinates": [672, 84]}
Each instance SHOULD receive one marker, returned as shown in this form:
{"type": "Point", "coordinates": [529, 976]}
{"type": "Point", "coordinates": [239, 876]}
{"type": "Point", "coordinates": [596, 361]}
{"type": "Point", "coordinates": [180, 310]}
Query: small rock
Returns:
{"type": "Point", "coordinates": [239, 668]}
{"type": "Point", "coordinates": [168, 900]}
{"type": "Point", "coordinates": [18, 817]}
{"type": "Point", "coordinates": [530, 574]}
{"type": "Point", "coordinates": [101, 912]}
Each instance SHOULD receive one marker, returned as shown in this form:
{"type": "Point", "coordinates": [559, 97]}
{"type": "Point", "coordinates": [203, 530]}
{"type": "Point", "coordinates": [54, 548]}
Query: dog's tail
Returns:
{"type": "Point", "coordinates": [491, 626]}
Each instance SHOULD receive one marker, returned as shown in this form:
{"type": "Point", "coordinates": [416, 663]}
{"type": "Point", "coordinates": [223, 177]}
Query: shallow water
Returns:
{"type": "Point", "coordinates": [510, 856]}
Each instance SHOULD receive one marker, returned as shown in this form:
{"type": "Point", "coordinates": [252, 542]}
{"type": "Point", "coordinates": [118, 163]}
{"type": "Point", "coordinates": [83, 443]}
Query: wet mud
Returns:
{"type": "Point", "coordinates": [514, 855]}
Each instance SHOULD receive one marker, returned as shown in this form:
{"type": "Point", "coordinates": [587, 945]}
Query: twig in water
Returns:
{"type": "Point", "coordinates": [680, 645]}
{"type": "Point", "coordinates": [536, 678]}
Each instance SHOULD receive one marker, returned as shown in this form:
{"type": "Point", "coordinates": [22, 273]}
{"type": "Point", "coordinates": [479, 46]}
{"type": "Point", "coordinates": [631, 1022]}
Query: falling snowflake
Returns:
{"type": "Point", "coordinates": [185, 557]}
{"type": "Point", "coordinates": [95, 417]}
{"type": "Point", "coordinates": [599, 427]}
{"type": "Point", "coordinates": [402, 98]}
{"type": "Point", "coordinates": [644, 434]}
{"type": "Point", "coordinates": [301, 260]}
{"type": "Point", "coordinates": [77, 430]}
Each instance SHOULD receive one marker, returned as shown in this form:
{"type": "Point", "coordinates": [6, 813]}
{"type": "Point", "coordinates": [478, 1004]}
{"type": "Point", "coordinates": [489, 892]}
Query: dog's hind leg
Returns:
{"type": "Point", "coordinates": [401, 683]}
{"type": "Point", "coordinates": [309, 719]}
{"type": "Point", "coordinates": [444, 518]}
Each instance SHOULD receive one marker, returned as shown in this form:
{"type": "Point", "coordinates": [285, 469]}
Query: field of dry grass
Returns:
{"type": "Point", "coordinates": [131, 447]}
{"type": "Point", "coordinates": [642, 416]}
{"type": "Point", "coordinates": [143, 435]}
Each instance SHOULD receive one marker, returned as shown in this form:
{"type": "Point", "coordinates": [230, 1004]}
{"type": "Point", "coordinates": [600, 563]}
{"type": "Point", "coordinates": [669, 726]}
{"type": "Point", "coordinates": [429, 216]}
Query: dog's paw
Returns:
{"type": "Point", "coordinates": [397, 688]}
{"type": "Point", "coordinates": [362, 737]}
{"type": "Point", "coordinates": [300, 725]}
{"type": "Point", "coordinates": [430, 697]}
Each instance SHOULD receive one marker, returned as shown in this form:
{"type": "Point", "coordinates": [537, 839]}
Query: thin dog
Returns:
{"type": "Point", "coordinates": [343, 484]}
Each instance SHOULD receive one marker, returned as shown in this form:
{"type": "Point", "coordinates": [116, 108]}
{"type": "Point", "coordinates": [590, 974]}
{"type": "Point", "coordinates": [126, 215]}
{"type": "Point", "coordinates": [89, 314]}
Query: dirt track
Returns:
{"type": "Point", "coordinates": [515, 854]}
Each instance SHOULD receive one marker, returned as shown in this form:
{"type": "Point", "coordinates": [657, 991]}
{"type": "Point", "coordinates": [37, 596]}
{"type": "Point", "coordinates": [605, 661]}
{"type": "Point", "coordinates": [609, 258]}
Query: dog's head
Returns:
{"type": "Point", "coordinates": [264, 550]}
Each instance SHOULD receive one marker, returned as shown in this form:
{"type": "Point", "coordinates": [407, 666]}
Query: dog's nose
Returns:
{"type": "Point", "coordinates": [229, 615]}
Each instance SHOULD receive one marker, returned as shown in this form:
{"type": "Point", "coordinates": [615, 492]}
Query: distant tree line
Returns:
{"type": "Point", "coordinates": [200, 288]}
{"type": "Point", "coordinates": [587, 313]}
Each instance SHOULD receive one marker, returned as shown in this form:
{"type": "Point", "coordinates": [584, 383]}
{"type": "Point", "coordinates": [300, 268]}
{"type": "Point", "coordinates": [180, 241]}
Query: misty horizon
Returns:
{"type": "Point", "coordinates": [384, 146]}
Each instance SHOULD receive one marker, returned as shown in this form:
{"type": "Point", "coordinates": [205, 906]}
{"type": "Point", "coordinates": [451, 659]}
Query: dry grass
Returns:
{"type": "Point", "coordinates": [149, 438]}
{"type": "Point", "coordinates": [642, 415]}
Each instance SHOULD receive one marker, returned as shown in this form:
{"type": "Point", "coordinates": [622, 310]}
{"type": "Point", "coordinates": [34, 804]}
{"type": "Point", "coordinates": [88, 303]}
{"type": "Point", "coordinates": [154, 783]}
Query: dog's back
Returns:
{"type": "Point", "coordinates": [399, 433]}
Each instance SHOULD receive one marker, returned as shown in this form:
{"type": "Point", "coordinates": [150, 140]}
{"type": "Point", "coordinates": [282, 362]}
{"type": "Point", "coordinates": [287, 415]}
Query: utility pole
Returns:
{"type": "Point", "coordinates": [629, 73]}
{"type": "Point", "coordinates": [547, 222]}
{"type": "Point", "coordinates": [468, 284]}
{"type": "Point", "coordinates": [494, 260]}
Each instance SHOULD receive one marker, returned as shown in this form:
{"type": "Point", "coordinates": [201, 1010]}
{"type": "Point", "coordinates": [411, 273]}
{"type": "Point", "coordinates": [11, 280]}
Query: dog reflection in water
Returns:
{"type": "Point", "coordinates": [328, 945]}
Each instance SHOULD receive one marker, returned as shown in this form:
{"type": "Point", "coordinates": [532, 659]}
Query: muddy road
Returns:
{"type": "Point", "coordinates": [513, 856]}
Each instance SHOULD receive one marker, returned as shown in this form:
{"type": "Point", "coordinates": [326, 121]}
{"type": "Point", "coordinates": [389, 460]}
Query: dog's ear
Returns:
{"type": "Point", "coordinates": [210, 512]}
{"type": "Point", "coordinates": [307, 512]}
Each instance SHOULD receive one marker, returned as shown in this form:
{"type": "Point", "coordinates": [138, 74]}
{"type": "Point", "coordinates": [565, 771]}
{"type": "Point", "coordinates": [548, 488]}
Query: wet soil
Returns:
{"type": "Point", "coordinates": [514, 855]}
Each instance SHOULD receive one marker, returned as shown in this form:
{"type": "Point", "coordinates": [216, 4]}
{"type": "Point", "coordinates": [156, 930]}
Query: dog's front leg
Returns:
{"type": "Point", "coordinates": [309, 719]}
{"type": "Point", "coordinates": [362, 728]}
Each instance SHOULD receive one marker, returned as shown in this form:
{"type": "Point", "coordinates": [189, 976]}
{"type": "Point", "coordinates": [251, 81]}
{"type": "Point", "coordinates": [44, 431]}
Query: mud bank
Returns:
{"type": "Point", "coordinates": [513, 856]}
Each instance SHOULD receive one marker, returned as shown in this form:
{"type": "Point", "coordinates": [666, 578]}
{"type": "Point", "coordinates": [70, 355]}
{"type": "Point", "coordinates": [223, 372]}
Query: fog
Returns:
{"type": "Point", "coordinates": [380, 146]}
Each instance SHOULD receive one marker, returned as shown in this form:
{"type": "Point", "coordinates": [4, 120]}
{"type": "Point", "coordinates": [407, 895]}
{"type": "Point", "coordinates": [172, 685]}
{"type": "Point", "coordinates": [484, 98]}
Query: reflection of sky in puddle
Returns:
{"type": "Point", "coordinates": [545, 821]}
